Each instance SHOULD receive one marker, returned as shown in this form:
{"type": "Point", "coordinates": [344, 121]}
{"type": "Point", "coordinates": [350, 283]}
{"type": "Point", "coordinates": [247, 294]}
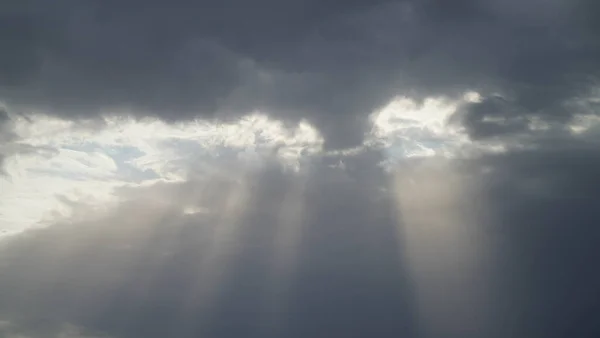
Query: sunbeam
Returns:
{"type": "Point", "coordinates": [290, 224]}
{"type": "Point", "coordinates": [444, 249]}
{"type": "Point", "coordinates": [215, 261]}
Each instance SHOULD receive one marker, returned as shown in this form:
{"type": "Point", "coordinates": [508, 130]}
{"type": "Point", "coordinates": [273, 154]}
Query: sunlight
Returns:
{"type": "Point", "coordinates": [409, 129]}
{"type": "Point", "coordinates": [442, 245]}
{"type": "Point", "coordinates": [56, 163]}
{"type": "Point", "coordinates": [215, 263]}
{"type": "Point", "coordinates": [290, 221]}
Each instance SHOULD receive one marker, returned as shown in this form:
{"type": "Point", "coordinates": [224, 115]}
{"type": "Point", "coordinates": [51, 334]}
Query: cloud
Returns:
{"type": "Point", "coordinates": [544, 215]}
{"type": "Point", "coordinates": [332, 63]}
{"type": "Point", "coordinates": [10, 330]}
{"type": "Point", "coordinates": [495, 244]}
{"type": "Point", "coordinates": [314, 168]}
{"type": "Point", "coordinates": [49, 162]}
{"type": "Point", "coordinates": [252, 264]}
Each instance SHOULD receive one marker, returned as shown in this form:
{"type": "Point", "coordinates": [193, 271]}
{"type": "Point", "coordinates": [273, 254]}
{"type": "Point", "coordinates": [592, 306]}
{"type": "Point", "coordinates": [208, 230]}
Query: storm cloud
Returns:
{"type": "Point", "coordinates": [330, 62]}
{"type": "Point", "coordinates": [493, 247]}
{"type": "Point", "coordinates": [388, 168]}
{"type": "Point", "coordinates": [284, 258]}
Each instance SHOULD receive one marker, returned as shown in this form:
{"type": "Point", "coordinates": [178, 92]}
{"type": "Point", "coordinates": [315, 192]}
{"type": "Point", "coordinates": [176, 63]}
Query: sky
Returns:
{"type": "Point", "coordinates": [299, 168]}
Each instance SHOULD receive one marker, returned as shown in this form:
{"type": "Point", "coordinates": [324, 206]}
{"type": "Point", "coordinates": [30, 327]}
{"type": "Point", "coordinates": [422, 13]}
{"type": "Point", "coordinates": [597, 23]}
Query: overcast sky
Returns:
{"type": "Point", "coordinates": [299, 168]}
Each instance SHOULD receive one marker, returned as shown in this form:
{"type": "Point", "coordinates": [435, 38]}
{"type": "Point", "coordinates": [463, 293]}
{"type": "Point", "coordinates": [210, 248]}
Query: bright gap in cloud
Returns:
{"type": "Point", "coordinates": [57, 163]}
{"type": "Point", "coordinates": [405, 128]}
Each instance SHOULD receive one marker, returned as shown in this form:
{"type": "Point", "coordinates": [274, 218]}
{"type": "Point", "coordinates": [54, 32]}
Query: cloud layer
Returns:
{"type": "Point", "coordinates": [331, 62]}
{"type": "Point", "coordinates": [493, 247]}
{"type": "Point", "coordinates": [301, 168]}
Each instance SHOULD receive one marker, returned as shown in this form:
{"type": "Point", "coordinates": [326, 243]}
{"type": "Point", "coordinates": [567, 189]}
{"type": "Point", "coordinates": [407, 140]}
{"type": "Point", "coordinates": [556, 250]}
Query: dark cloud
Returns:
{"type": "Point", "coordinates": [332, 62]}
{"type": "Point", "coordinates": [544, 204]}
{"type": "Point", "coordinates": [332, 253]}
{"type": "Point", "coordinates": [147, 270]}
{"type": "Point", "coordinates": [6, 132]}
{"type": "Point", "coordinates": [6, 136]}
{"type": "Point", "coordinates": [494, 246]}
{"type": "Point", "coordinates": [491, 117]}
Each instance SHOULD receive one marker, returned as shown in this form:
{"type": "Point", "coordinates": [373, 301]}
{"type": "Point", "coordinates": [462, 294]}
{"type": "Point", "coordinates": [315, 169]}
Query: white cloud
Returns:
{"type": "Point", "coordinates": [583, 123]}
{"type": "Point", "coordinates": [54, 162]}
{"type": "Point", "coordinates": [407, 129]}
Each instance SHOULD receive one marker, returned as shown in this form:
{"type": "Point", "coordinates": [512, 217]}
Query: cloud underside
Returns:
{"type": "Point", "coordinates": [488, 247]}
{"type": "Point", "coordinates": [331, 62]}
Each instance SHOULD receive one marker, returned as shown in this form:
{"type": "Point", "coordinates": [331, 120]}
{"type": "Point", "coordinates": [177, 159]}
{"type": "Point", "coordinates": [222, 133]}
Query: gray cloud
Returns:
{"type": "Point", "coordinates": [332, 62]}
{"type": "Point", "coordinates": [146, 269]}
{"type": "Point", "coordinates": [545, 218]}
{"type": "Point", "coordinates": [328, 251]}
{"type": "Point", "coordinates": [9, 145]}
{"type": "Point", "coordinates": [10, 330]}
{"type": "Point", "coordinates": [149, 277]}
{"type": "Point", "coordinates": [6, 136]}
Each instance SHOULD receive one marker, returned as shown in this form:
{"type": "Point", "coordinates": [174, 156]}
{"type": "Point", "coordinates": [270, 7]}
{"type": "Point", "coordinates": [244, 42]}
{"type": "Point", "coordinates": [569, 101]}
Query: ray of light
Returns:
{"type": "Point", "coordinates": [444, 248]}
{"type": "Point", "coordinates": [215, 261]}
{"type": "Point", "coordinates": [146, 227]}
{"type": "Point", "coordinates": [290, 223]}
